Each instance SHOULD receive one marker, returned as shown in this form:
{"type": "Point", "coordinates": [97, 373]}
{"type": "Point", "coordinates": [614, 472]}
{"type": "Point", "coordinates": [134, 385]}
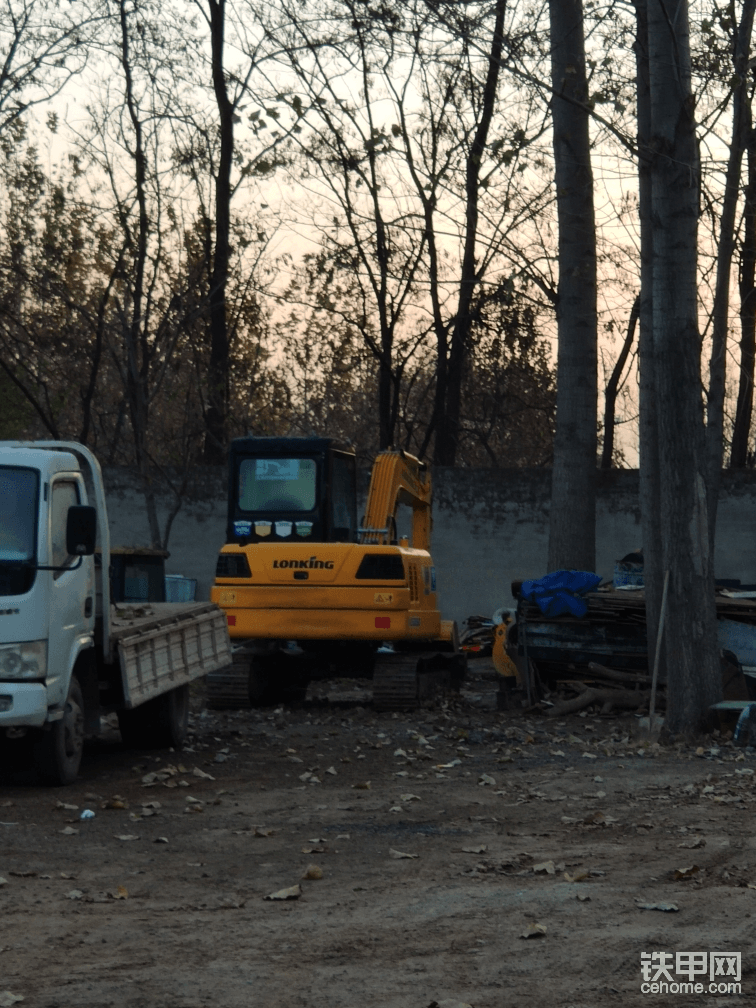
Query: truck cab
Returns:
{"type": "Point", "coordinates": [47, 594]}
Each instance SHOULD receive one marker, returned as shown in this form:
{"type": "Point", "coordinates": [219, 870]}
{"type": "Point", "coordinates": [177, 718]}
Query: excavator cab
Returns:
{"type": "Point", "coordinates": [294, 490]}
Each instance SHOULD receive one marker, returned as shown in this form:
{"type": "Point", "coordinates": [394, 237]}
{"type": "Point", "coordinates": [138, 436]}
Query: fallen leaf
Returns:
{"type": "Point", "coordinates": [160, 839]}
{"type": "Point", "coordinates": [685, 873]}
{"type": "Point", "coordinates": [545, 867]}
{"type": "Point", "coordinates": [664, 907]}
{"type": "Point", "coordinates": [263, 831]}
{"type": "Point", "coordinates": [693, 844]}
{"type": "Point", "coordinates": [343, 836]}
{"type": "Point", "coordinates": [75, 894]}
{"type": "Point", "coordinates": [125, 836]}
{"type": "Point", "coordinates": [534, 931]}
{"type": "Point", "coordinates": [331, 770]}
{"type": "Point", "coordinates": [556, 752]}
{"type": "Point", "coordinates": [486, 779]}
{"type": "Point", "coordinates": [409, 797]}
{"type": "Point", "coordinates": [400, 854]}
{"type": "Point", "coordinates": [115, 803]}
{"type": "Point", "coordinates": [64, 805]}
{"type": "Point", "coordinates": [583, 897]}
{"type": "Point", "coordinates": [313, 850]}
{"type": "Point", "coordinates": [578, 876]}
{"type": "Point", "coordinates": [475, 850]}
{"type": "Point", "coordinates": [448, 766]}
{"type": "Point", "coordinates": [402, 773]}
{"type": "Point", "coordinates": [120, 893]}
{"type": "Point", "coordinates": [68, 831]}
{"type": "Point", "coordinates": [7, 999]}
{"type": "Point", "coordinates": [292, 893]}
{"type": "Point", "coordinates": [3, 881]}
{"type": "Point", "coordinates": [396, 808]}
{"type": "Point", "coordinates": [313, 872]}
{"type": "Point", "coordinates": [362, 787]}
{"type": "Point", "coordinates": [201, 773]}
{"type": "Point", "coordinates": [589, 755]}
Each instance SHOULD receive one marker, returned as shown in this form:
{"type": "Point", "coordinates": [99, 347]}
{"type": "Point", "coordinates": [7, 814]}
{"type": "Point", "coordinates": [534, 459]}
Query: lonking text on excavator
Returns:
{"type": "Point", "coordinates": [308, 592]}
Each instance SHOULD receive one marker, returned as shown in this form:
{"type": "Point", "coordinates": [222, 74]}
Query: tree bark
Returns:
{"type": "Point", "coordinates": [741, 128]}
{"type": "Point", "coordinates": [693, 679]}
{"type": "Point", "coordinates": [572, 530]}
{"type": "Point", "coordinates": [216, 415]}
{"type": "Point", "coordinates": [739, 455]}
{"type": "Point", "coordinates": [612, 387]}
{"type": "Point", "coordinates": [649, 476]}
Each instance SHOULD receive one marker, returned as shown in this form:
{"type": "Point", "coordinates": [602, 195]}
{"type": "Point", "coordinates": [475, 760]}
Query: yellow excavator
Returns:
{"type": "Point", "coordinates": [308, 592]}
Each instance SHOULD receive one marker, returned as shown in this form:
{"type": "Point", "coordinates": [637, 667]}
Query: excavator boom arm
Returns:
{"type": "Point", "coordinates": [398, 478]}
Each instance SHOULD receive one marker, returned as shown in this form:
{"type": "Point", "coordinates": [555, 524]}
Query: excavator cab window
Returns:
{"type": "Point", "coordinates": [343, 498]}
{"type": "Point", "coordinates": [281, 484]}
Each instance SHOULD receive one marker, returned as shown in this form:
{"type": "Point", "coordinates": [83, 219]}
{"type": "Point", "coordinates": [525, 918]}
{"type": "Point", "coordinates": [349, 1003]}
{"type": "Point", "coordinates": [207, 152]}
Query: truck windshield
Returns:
{"type": "Point", "coordinates": [18, 516]}
{"type": "Point", "coordinates": [277, 484]}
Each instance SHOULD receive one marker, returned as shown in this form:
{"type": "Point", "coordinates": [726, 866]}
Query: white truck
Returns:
{"type": "Point", "coordinates": [67, 656]}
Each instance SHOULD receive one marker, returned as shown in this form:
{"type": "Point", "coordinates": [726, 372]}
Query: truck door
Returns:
{"type": "Point", "coordinates": [70, 613]}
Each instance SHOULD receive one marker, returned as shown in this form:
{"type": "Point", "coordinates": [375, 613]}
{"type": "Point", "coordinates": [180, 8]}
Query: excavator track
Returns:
{"type": "Point", "coordinates": [228, 688]}
{"type": "Point", "coordinates": [395, 683]}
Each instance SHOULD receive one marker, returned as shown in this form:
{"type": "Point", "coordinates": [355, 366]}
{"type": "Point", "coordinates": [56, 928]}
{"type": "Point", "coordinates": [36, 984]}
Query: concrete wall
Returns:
{"type": "Point", "coordinates": [490, 528]}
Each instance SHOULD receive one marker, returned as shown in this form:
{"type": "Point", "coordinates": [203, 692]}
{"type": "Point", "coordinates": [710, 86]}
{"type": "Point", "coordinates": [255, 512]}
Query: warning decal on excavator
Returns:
{"type": "Point", "coordinates": [383, 597]}
{"type": "Point", "coordinates": [227, 598]}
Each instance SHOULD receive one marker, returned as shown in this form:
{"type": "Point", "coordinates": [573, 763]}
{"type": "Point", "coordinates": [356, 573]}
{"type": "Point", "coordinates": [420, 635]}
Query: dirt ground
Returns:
{"type": "Point", "coordinates": [495, 811]}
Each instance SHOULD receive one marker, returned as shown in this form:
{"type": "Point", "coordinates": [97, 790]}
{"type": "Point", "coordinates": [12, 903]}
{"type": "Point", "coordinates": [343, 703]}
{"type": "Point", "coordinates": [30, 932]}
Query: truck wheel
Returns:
{"type": "Point", "coordinates": [57, 750]}
{"type": "Point", "coordinates": [158, 724]}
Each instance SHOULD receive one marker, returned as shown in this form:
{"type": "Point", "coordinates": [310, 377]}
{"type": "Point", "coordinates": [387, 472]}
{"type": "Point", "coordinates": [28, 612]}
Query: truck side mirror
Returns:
{"type": "Point", "coordinates": [81, 530]}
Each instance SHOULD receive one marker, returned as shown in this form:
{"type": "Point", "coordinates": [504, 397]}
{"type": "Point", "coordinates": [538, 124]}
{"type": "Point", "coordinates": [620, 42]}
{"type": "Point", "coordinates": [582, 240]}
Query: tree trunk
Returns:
{"type": "Point", "coordinates": [739, 456]}
{"type": "Point", "coordinates": [649, 477]}
{"type": "Point", "coordinates": [572, 531]}
{"type": "Point", "coordinates": [612, 387]}
{"type": "Point", "coordinates": [137, 345]}
{"type": "Point", "coordinates": [693, 680]}
{"type": "Point", "coordinates": [741, 127]}
{"type": "Point", "coordinates": [216, 415]}
{"type": "Point", "coordinates": [447, 414]}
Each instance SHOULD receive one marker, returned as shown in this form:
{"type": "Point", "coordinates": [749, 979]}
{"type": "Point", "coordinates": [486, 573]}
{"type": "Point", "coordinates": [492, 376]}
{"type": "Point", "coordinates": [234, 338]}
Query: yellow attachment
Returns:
{"type": "Point", "coordinates": [502, 662]}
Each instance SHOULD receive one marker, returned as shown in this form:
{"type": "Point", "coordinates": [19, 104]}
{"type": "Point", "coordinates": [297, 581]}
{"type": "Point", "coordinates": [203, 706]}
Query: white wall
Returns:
{"type": "Point", "coordinates": [490, 528]}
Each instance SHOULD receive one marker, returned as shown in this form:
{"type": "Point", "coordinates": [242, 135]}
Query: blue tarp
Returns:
{"type": "Point", "coordinates": [559, 593]}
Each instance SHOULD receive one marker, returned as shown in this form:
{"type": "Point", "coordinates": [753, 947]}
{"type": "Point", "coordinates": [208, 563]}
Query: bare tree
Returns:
{"type": "Point", "coordinates": [739, 454]}
{"type": "Point", "coordinates": [572, 528]}
{"type": "Point", "coordinates": [43, 44]}
{"type": "Point", "coordinates": [741, 129]}
{"type": "Point", "coordinates": [692, 657]}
